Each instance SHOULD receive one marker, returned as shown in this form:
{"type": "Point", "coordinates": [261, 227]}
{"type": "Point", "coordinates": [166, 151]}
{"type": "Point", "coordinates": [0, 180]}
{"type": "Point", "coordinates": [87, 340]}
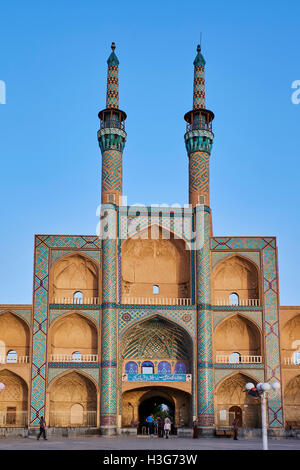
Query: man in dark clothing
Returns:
{"type": "Point", "coordinates": [160, 427]}
{"type": "Point", "coordinates": [42, 429]}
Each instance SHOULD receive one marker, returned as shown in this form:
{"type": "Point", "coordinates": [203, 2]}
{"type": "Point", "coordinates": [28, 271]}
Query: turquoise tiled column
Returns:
{"type": "Point", "coordinates": [108, 397]}
{"type": "Point", "coordinates": [205, 400]}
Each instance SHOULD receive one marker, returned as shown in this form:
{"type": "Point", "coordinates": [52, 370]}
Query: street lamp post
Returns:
{"type": "Point", "coordinates": [261, 390]}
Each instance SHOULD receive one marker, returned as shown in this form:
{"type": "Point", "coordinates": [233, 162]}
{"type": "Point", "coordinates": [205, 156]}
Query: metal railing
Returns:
{"type": "Point", "coordinates": [13, 419]}
{"type": "Point", "coordinates": [76, 358]}
{"type": "Point", "coordinates": [237, 303]}
{"type": "Point", "coordinates": [75, 301]}
{"type": "Point", "coordinates": [157, 301]}
{"type": "Point", "coordinates": [14, 360]}
{"type": "Point", "coordinates": [228, 359]}
{"type": "Point", "coordinates": [69, 419]}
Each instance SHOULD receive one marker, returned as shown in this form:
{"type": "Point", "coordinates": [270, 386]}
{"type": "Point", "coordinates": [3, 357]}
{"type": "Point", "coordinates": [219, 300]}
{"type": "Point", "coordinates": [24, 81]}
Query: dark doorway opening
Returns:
{"type": "Point", "coordinates": [238, 414]}
{"type": "Point", "coordinates": [159, 406]}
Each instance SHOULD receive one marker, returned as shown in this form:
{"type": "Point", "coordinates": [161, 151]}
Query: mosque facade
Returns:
{"type": "Point", "coordinates": [156, 309]}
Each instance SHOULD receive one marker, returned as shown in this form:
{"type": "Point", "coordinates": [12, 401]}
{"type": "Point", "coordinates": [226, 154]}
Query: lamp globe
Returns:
{"type": "Point", "coordinates": [249, 386]}
{"type": "Point", "coordinates": [259, 386]}
{"type": "Point", "coordinates": [275, 386]}
{"type": "Point", "coordinates": [266, 387]}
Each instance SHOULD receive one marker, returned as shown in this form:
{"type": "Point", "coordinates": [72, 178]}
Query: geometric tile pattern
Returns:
{"type": "Point", "coordinates": [257, 374]}
{"type": "Point", "coordinates": [108, 404]}
{"type": "Point", "coordinates": [54, 372]}
{"type": "Point", "coordinates": [255, 317]}
{"type": "Point", "coordinates": [204, 326]}
{"type": "Point", "coordinates": [57, 254]}
{"type": "Point", "coordinates": [268, 250]}
{"type": "Point", "coordinates": [136, 220]}
{"type": "Point", "coordinates": [140, 313]}
{"type": "Point", "coordinates": [112, 95]}
{"type": "Point", "coordinates": [199, 174]}
{"type": "Point", "coordinates": [43, 244]}
{"type": "Point", "coordinates": [24, 313]}
{"type": "Point", "coordinates": [217, 256]}
{"type": "Point", "coordinates": [111, 170]}
{"type": "Point", "coordinates": [92, 314]}
{"type": "Point", "coordinates": [199, 87]}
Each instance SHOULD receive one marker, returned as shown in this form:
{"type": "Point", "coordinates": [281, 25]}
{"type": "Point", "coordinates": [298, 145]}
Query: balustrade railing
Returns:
{"type": "Point", "coordinates": [291, 361]}
{"type": "Point", "coordinates": [157, 301]}
{"type": "Point", "coordinates": [13, 419]}
{"type": "Point", "coordinates": [75, 358]}
{"type": "Point", "coordinates": [236, 303]}
{"type": "Point", "coordinates": [72, 419]}
{"type": "Point", "coordinates": [228, 359]}
{"type": "Point", "coordinates": [14, 360]}
{"type": "Point", "coordinates": [75, 301]}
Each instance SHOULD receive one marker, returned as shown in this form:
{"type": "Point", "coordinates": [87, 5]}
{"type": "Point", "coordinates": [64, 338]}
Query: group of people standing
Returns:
{"type": "Point", "coordinates": [163, 426]}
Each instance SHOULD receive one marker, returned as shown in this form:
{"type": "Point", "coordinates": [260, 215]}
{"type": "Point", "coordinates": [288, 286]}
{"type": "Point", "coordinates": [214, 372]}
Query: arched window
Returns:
{"type": "Point", "coordinates": [180, 368]}
{"type": "Point", "coordinates": [296, 358]}
{"type": "Point", "coordinates": [164, 367]}
{"type": "Point", "coordinates": [147, 367]}
{"type": "Point", "coordinates": [233, 299]}
{"type": "Point", "coordinates": [155, 290]}
{"type": "Point", "coordinates": [78, 296]}
{"type": "Point", "coordinates": [131, 368]}
{"type": "Point", "coordinates": [76, 356]}
{"type": "Point", "coordinates": [12, 357]}
{"type": "Point", "coordinates": [234, 358]}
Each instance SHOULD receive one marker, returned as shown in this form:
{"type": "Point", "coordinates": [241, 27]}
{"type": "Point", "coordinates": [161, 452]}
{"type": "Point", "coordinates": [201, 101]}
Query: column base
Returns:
{"type": "Point", "coordinates": [206, 431]}
{"type": "Point", "coordinates": [108, 430]}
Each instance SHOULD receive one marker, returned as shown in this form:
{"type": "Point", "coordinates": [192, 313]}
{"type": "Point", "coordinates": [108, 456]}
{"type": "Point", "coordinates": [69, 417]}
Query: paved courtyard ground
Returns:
{"type": "Point", "coordinates": [143, 443]}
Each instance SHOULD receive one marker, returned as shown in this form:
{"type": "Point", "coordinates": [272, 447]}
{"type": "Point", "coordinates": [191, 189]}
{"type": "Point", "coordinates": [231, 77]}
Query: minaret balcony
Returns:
{"type": "Point", "coordinates": [198, 140]}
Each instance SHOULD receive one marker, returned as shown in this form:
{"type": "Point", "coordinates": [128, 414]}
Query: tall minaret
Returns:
{"type": "Point", "coordinates": [198, 140]}
{"type": "Point", "coordinates": [112, 136]}
{"type": "Point", "coordinates": [199, 137]}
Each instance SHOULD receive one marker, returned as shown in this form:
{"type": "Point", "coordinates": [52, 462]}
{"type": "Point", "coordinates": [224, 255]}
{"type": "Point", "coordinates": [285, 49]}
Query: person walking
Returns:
{"type": "Point", "coordinates": [167, 427]}
{"type": "Point", "coordinates": [150, 421]}
{"type": "Point", "coordinates": [235, 425]}
{"type": "Point", "coordinates": [42, 429]}
{"type": "Point", "coordinates": [160, 426]}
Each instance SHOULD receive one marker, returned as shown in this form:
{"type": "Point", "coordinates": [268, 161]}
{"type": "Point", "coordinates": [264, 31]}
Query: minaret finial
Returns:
{"type": "Point", "coordinates": [112, 96]}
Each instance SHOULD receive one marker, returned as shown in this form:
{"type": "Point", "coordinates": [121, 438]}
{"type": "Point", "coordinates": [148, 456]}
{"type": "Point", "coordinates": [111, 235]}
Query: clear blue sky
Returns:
{"type": "Point", "coordinates": [53, 60]}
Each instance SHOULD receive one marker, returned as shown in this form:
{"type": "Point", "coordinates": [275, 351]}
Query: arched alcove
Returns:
{"type": "Point", "coordinates": [290, 338]}
{"type": "Point", "coordinates": [73, 333]}
{"type": "Point", "coordinates": [72, 274]}
{"type": "Point", "coordinates": [230, 393]}
{"type": "Point", "coordinates": [13, 400]}
{"type": "Point", "coordinates": [14, 335]}
{"type": "Point", "coordinates": [73, 397]}
{"type": "Point", "coordinates": [157, 339]}
{"type": "Point", "coordinates": [157, 266]}
{"type": "Point", "coordinates": [239, 335]}
{"type": "Point", "coordinates": [292, 400]}
{"type": "Point", "coordinates": [236, 276]}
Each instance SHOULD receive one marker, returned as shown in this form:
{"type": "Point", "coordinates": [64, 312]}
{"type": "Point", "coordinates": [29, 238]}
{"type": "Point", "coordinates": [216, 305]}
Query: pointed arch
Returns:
{"type": "Point", "coordinates": [229, 395]}
{"type": "Point", "coordinates": [13, 399]}
{"type": "Point", "coordinates": [14, 334]}
{"type": "Point", "coordinates": [238, 333]}
{"type": "Point", "coordinates": [162, 261]}
{"type": "Point", "coordinates": [74, 272]}
{"type": "Point", "coordinates": [73, 387]}
{"type": "Point", "coordinates": [235, 274]}
{"type": "Point", "coordinates": [73, 332]}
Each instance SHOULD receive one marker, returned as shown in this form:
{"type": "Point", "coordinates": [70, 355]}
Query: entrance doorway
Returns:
{"type": "Point", "coordinates": [238, 414]}
{"type": "Point", "coordinates": [158, 405]}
